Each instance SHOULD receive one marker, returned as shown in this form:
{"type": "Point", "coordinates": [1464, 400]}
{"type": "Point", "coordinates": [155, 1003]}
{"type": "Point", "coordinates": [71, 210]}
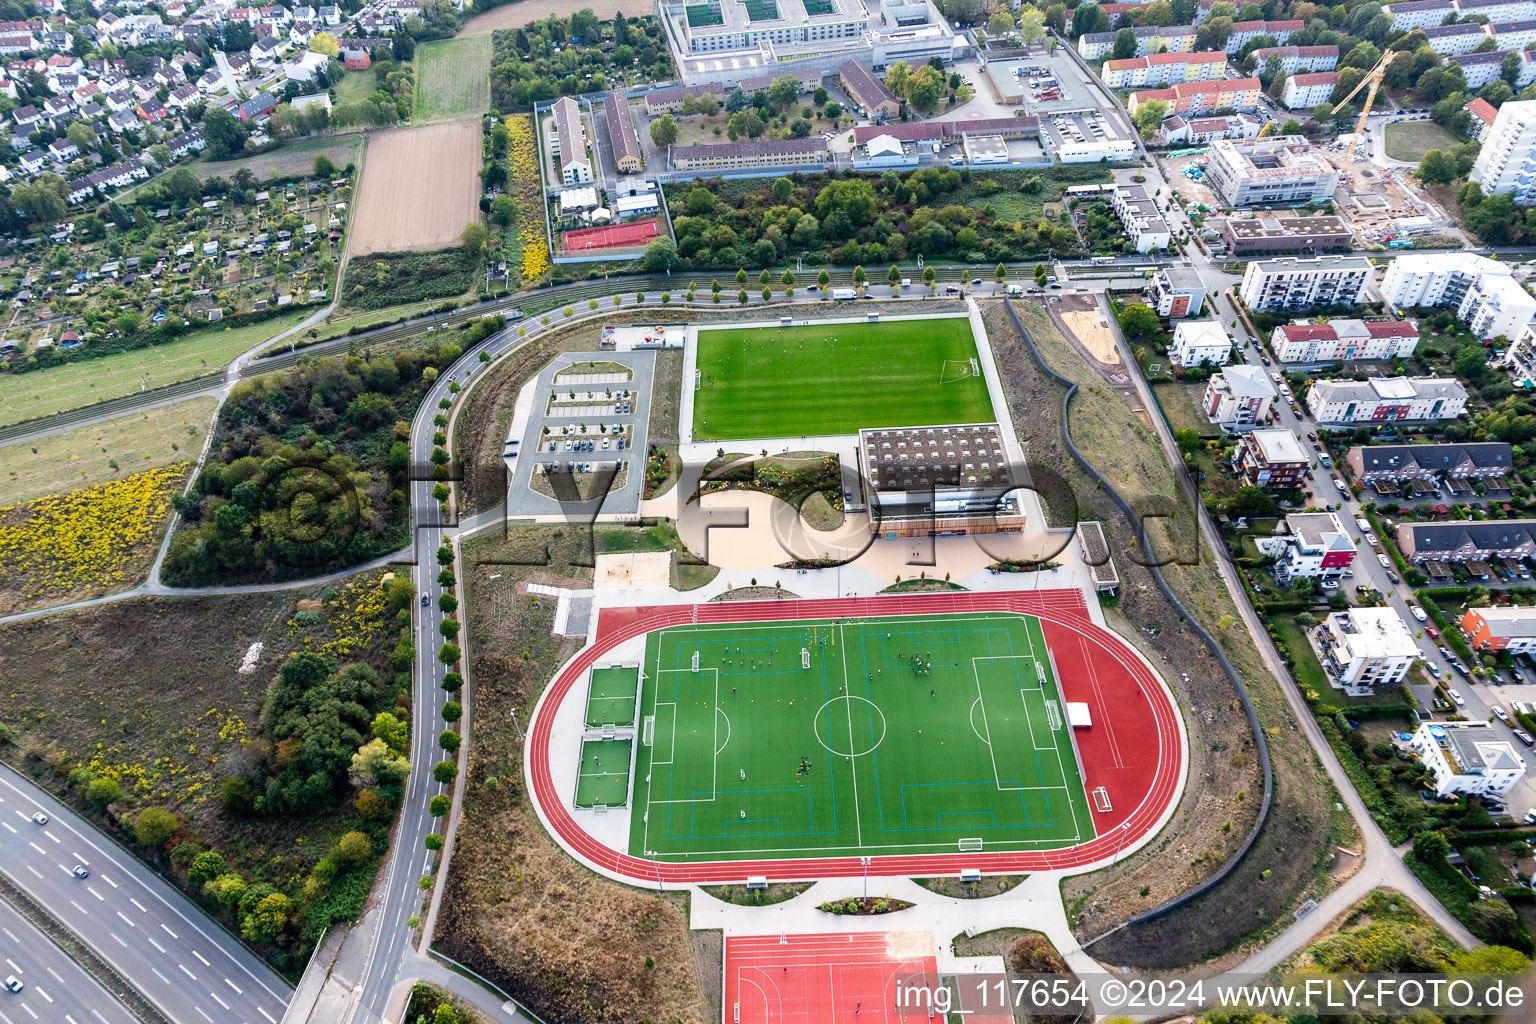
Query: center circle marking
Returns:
{"type": "Point", "coordinates": [836, 735]}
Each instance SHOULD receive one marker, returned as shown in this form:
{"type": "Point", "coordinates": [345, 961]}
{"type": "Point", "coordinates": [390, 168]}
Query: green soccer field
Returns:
{"type": "Point", "coordinates": [831, 378]}
{"type": "Point", "coordinates": [604, 777]}
{"type": "Point", "coordinates": [611, 696]}
{"type": "Point", "coordinates": [903, 735]}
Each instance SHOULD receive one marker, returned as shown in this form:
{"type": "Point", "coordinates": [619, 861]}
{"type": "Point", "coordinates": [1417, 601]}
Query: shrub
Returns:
{"type": "Point", "coordinates": [449, 740]}
{"type": "Point", "coordinates": [355, 848]}
{"type": "Point", "coordinates": [433, 841]}
{"type": "Point", "coordinates": [440, 805]}
{"type": "Point", "coordinates": [205, 868]}
{"type": "Point", "coordinates": [373, 805]}
{"type": "Point", "coordinates": [103, 792]}
{"type": "Point", "coordinates": [453, 711]}
{"type": "Point", "coordinates": [155, 826]}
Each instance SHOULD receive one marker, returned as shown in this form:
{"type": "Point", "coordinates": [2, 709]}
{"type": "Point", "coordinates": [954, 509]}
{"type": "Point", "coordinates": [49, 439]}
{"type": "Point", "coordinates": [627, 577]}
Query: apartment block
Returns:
{"type": "Point", "coordinates": [1350, 341]}
{"type": "Point", "coordinates": [1308, 90]}
{"type": "Point", "coordinates": [1196, 99]}
{"type": "Point", "coordinates": [1243, 32]}
{"type": "Point", "coordinates": [1364, 648]}
{"type": "Point", "coordinates": [570, 143]}
{"type": "Point", "coordinates": [1386, 399]}
{"type": "Point", "coordinates": [1198, 343]}
{"type": "Point", "coordinates": [1160, 69]}
{"type": "Point", "coordinates": [1298, 60]}
{"type": "Point", "coordinates": [1398, 463]}
{"type": "Point", "coordinates": [1238, 397]}
{"type": "Point", "coordinates": [1467, 759]}
{"type": "Point", "coordinates": [1506, 163]}
{"type": "Point", "coordinates": [1483, 115]}
{"type": "Point", "coordinates": [1177, 291]}
{"type": "Point", "coordinates": [1142, 220]}
{"type": "Point", "coordinates": [1280, 171]}
{"type": "Point", "coordinates": [1200, 130]}
{"type": "Point", "coordinates": [1501, 629]}
{"type": "Point", "coordinates": [1296, 283]}
{"type": "Point", "coordinates": [1286, 234]}
{"type": "Point", "coordinates": [1272, 458]}
{"type": "Point", "coordinates": [1310, 544]}
{"type": "Point", "coordinates": [1448, 40]}
{"type": "Point", "coordinates": [756, 153]}
{"type": "Point", "coordinates": [1149, 39]}
{"type": "Point", "coordinates": [1467, 540]}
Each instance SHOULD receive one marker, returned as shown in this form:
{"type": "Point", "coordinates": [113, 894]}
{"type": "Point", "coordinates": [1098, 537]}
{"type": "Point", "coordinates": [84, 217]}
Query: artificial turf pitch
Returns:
{"type": "Point", "coordinates": [791, 381]}
{"type": "Point", "coordinates": [611, 696]}
{"type": "Point", "coordinates": [604, 777]}
{"type": "Point", "coordinates": [954, 725]}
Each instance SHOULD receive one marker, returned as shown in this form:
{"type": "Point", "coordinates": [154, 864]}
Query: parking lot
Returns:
{"type": "Point", "coordinates": [577, 442]}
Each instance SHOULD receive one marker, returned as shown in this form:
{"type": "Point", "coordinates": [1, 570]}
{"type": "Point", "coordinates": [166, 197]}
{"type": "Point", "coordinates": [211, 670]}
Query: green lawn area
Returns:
{"type": "Point", "coordinates": [357, 85]}
{"type": "Point", "coordinates": [835, 378]}
{"type": "Point", "coordinates": [25, 396]}
{"type": "Point", "coordinates": [902, 735]}
{"type": "Point", "coordinates": [453, 78]}
{"type": "Point", "coordinates": [1410, 140]}
{"type": "Point", "coordinates": [1308, 671]}
{"type": "Point", "coordinates": [85, 456]}
{"type": "Point", "coordinates": [1180, 403]}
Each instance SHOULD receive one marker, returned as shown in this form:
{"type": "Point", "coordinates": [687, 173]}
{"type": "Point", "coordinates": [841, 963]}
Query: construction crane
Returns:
{"type": "Point", "coordinates": [1372, 79]}
{"type": "Point", "coordinates": [1265, 130]}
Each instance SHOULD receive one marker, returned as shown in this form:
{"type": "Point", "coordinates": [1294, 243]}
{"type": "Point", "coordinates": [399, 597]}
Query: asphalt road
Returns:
{"type": "Point", "coordinates": [153, 936]}
{"type": "Point", "coordinates": [54, 987]}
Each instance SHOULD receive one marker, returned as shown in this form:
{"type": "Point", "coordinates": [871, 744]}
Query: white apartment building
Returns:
{"type": "Point", "coordinates": [1386, 399]}
{"type": "Point", "coordinates": [1295, 282]}
{"type": "Point", "coordinates": [1344, 341]}
{"type": "Point", "coordinates": [1467, 758]}
{"type": "Point", "coordinates": [1143, 221]}
{"type": "Point", "coordinates": [1311, 544]}
{"type": "Point", "coordinates": [1197, 342]}
{"type": "Point", "coordinates": [1238, 397]}
{"type": "Point", "coordinates": [1506, 163]}
{"type": "Point", "coordinates": [1363, 648]}
{"type": "Point", "coordinates": [1520, 357]}
{"type": "Point", "coordinates": [1307, 91]}
{"type": "Point", "coordinates": [1298, 59]}
{"type": "Point", "coordinates": [1482, 291]}
{"type": "Point", "coordinates": [570, 143]}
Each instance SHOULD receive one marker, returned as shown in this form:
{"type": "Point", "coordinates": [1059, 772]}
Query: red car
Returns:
{"type": "Point", "coordinates": [1431, 631]}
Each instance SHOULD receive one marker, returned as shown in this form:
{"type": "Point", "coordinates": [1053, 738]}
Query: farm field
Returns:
{"type": "Point", "coordinates": [453, 78]}
{"type": "Point", "coordinates": [25, 396]}
{"type": "Point", "coordinates": [1410, 140]}
{"type": "Point", "coordinates": [901, 735]}
{"type": "Point", "coordinates": [516, 15]}
{"type": "Point", "coordinates": [835, 378]}
{"type": "Point", "coordinates": [84, 456]}
{"type": "Point", "coordinates": [297, 158]}
{"type": "Point", "coordinates": [419, 188]}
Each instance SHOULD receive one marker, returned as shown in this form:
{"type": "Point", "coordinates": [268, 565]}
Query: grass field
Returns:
{"type": "Point", "coordinates": [357, 85]}
{"type": "Point", "coordinates": [904, 735]}
{"type": "Point", "coordinates": [837, 378]}
{"type": "Point", "coordinates": [1410, 140]}
{"type": "Point", "coordinates": [611, 697]}
{"type": "Point", "coordinates": [85, 455]}
{"type": "Point", "coordinates": [453, 78]}
{"type": "Point", "coordinates": [295, 158]}
{"type": "Point", "coordinates": [25, 396]}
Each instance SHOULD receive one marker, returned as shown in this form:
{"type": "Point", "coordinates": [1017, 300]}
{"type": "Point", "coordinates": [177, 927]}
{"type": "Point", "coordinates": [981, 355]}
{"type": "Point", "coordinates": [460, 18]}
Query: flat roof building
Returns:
{"type": "Point", "coordinates": [720, 156]}
{"type": "Point", "coordinates": [929, 481]}
{"type": "Point", "coordinates": [1467, 759]}
{"type": "Point", "coordinates": [1280, 171]}
{"type": "Point", "coordinates": [1298, 282]}
{"type": "Point", "coordinates": [1363, 648]}
{"type": "Point", "coordinates": [1286, 234]}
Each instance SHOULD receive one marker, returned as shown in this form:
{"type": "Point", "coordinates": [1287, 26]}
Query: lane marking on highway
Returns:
{"type": "Point", "coordinates": [200, 957]}
{"type": "Point", "coordinates": [10, 936]}
{"type": "Point", "coordinates": [109, 881]}
{"type": "Point", "coordinates": [24, 1006]}
{"type": "Point", "coordinates": [18, 970]}
{"type": "Point", "coordinates": [168, 930]}
{"type": "Point", "coordinates": [78, 907]}
{"type": "Point", "coordinates": [120, 942]}
{"type": "Point", "coordinates": [34, 870]}
{"type": "Point", "coordinates": [39, 849]}
{"type": "Point", "coordinates": [70, 1020]}
{"type": "Point", "coordinates": [187, 972]}
{"type": "Point", "coordinates": [23, 815]}
{"type": "Point", "coordinates": [55, 974]}
{"type": "Point", "coordinates": [39, 990]}
{"type": "Point", "coordinates": [93, 892]}
{"type": "Point", "coordinates": [98, 1015]}
{"type": "Point", "coordinates": [126, 921]}
{"type": "Point", "coordinates": [9, 828]}
{"type": "Point", "coordinates": [79, 858]}
{"type": "Point", "coordinates": [161, 976]}
{"type": "Point", "coordinates": [199, 1009]}
{"type": "Point", "coordinates": [50, 835]}
{"type": "Point", "coordinates": [265, 1014]}
{"type": "Point", "coordinates": [218, 1000]}
{"type": "Point", "coordinates": [152, 942]}
{"type": "Point", "coordinates": [137, 904]}
{"type": "Point", "coordinates": [65, 868]}
{"type": "Point", "coordinates": [234, 986]}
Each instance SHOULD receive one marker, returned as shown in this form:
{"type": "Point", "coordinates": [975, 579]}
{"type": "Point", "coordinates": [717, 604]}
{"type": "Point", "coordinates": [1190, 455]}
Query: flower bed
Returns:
{"type": "Point", "coordinates": [90, 540]}
{"type": "Point", "coordinates": [864, 905]}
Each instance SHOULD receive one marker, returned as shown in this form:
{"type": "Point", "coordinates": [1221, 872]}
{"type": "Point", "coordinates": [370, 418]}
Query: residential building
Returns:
{"type": "Point", "coordinates": [1506, 163]}
{"type": "Point", "coordinates": [1159, 69]}
{"type": "Point", "coordinates": [1086, 139]}
{"type": "Point", "coordinates": [1447, 40]}
{"type": "Point", "coordinates": [1467, 540]}
{"type": "Point", "coordinates": [1512, 35]}
{"type": "Point", "coordinates": [1479, 68]}
{"type": "Point", "coordinates": [1501, 629]}
{"type": "Point", "coordinates": [1308, 90]}
{"type": "Point", "coordinates": [1363, 648]}
{"type": "Point", "coordinates": [1386, 399]}
{"type": "Point", "coordinates": [1310, 544]}
{"type": "Point", "coordinates": [1344, 340]}
{"type": "Point", "coordinates": [1419, 13]}
{"type": "Point", "coordinates": [1298, 60]}
{"type": "Point", "coordinates": [868, 93]}
{"type": "Point", "coordinates": [1520, 357]}
{"type": "Point", "coordinates": [1435, 278]}
{"type": "Point", "coordinates": [754, 153]}
{"type": "Point", "coordinates": [621, 133]}
{"type": "Point", "coordinates": [1282, 171]}
{"type": "Point", "coordinates": [1397, 463]}
{"type": "Point", "coordinates": [1238, 397]}
{"type": "Point", "coordinates": [1149, 39]}
{"type": "Point", "coordinates": [1495, 306]}
{"type": "Point", "coordinates": [1142, 220]}
{"type": "Point", "coordinates": [1483, 115]}
{"type": "Point", "coordinates": [1177, 291]}
{"type": "Point", "coordinates": [1244, 32]}
{"type": "Point", "coordinates": [1296, 282]}
{"type": "Point", "coordinates": [1200, 130]}
{"type": "Point", "coordinates": [1286, 234]}
{"type": "Point", "coordinates": [1198, 342]}
{"type": "Point", "coordinates": [932, 481]}
{"type": "Point", "coordinates": [570, 142]}
{"type": "Point", "coordinates": [1273, 458]}
{"type": "Point", "coordinates": [1467, 759]}
{"type": "Point", "coordinates": [1197, 99]}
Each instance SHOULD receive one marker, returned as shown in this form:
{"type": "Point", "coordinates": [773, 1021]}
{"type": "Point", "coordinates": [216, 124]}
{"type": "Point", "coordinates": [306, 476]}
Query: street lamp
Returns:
{"type": "Point", "coordinates": [1125, 827]}
{"type": "Point", "coordinates": [865, 862]}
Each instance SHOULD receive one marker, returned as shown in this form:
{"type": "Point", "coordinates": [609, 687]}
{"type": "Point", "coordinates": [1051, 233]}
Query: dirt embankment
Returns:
{"type": "Point", "coordinates": [1221, 796]}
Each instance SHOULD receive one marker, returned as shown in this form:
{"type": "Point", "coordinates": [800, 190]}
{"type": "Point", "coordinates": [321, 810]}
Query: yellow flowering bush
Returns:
{"type": "Point", "coordinates": [92, 538]}
{"type": "Point", "coordinates": [529, 194]}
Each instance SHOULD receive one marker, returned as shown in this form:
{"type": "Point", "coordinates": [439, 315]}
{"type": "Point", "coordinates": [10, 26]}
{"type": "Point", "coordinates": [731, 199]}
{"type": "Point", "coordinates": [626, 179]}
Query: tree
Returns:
{"type": "Point", "coordinates": [1031, 24]}
{"type": "Point", "coordinates": [1089, 18]}
{"type": "Point", "coordinates": [391, 730]}
{"type": "Point", "coordinates": [375, 765]}
{"type": "Point", "coordinates": [440, 805]}
{"type": "Point", "coordinates": [268, 919]}
{"type": "Point", "coordinates": [1000, 24]}
{"type": "Point", "coordinates": [227, 890]}
{"type": "Point", "coordinates": [373, 805]}
{"type": "Point", "coordinates": [859, 278]}
{"type": "Point", "coordinates": [44, 201]}
{"type": "Point", "coordinates": [354, 848]}
{"type": "Point", "coordinates": [1250, 501]}
{"type": "Point", "coordinates": [1495, 921]}
{"type": "Point", "coordinates": [1437, 168]}
{"type": "Point", "coordinates": [1187, 439]}
{"type": "Point", "coordinates": [503, 211]}
{"type": "Point", "coordinates": [445, 772]}
{"type": "Point", "coordinates": [1149, 116]}
{"type": "Point", "coordinates": [223, 132]}
{"type": "Point", "coordinates": [898, 77]}
{"type": "Point", "coordinates": [1213, 33]}
{"type": "Point", "coordinates": [83, 138]}
{"type": "Point", "coordinates": [1347, 80]}
{"type": "Point", "coordinates": [1000, 273]}
{"type": "Point", "coordinates": [474, 238]}
{"type": "Point", "coordinates": [103, 792]}
{"type": "Point", "coordinates": [783, 188]}
{"type": "Point", "coordinates": [324, 42]}
{"type": "Point", "coordinates": [155, 826]}
{"type": "Point", "coordinates": [784, 90]}
{"type": "Point", "coordinates": [205, 867]}
{"type": "Point", "coordinates": [1291, 127]}
{"type": "Point", "coordinates": [1125, 44]}
{"type": "Point", "coordinates": [664, 131]}
{"type": "Point", "coordinates": [893, 276]}
{"type": "Point", "coordinates": [1138, 320]}
{"type": "Point", "coordinates": [1159, 12]}
{"type": "Point", "coordinates": [660, 254]}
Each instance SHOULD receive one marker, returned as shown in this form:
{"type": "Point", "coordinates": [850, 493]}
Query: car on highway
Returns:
{"type": "Point", "coordinates": [81, 871]}
{"type": "Point", "coordinates": [13, 983]}
{"type": "Point", "coordinates": [423, 600]}
{"type": "Point", "coordinates": [1457, 697]}
{"type": "Point", "coordinates": [1500, 713]}
{"type": "Point", "coordinates": [39, 818]}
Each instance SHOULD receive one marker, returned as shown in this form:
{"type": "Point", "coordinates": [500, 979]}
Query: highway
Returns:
{"type": "Point", "coordinates": [180, 960]}
{"type": "Point", "coordinates": [54, 987]}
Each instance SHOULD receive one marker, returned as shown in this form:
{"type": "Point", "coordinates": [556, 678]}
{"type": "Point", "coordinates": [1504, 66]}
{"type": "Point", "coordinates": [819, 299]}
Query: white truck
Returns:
{"type": "Point", "coordinates": [844, 294]}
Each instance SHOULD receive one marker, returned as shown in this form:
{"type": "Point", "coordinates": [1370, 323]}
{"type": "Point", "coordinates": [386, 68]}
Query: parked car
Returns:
{"type": "Point", "coordinates": [13, 983]}
{"type": "Point", "coordinates": [1370, 539]}
{"type": "Point", "coordinates": [1434, 670]}
{"type": "Point", "coordinates": [1524, 737]}
{"type": "Point", "coordinates": [1432, 633]}
{"type": "Point", "coordinates": [1500, 713]}
{"type": "Point", "coordinates": [1457, 697]}
{"type": "Point", "coordinates": [1418, 613]}
{"type": "Point", "coordinates": [1330, 584]}
{"type": "Point", "coordinates": [1384, 560]}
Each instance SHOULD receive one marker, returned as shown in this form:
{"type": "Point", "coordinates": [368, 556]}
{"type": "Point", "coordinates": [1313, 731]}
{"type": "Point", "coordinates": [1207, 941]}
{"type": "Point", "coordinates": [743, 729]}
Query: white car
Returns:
{"type": "Point", "coordinates": [1530, 816]}
{"type": "Point", "coordinates": [39, 818]}
{"type": "Point", "coordinates": [1330, 584]}
{"type": "Point", "coordinates": [1418, 613]}
{"type": "Point", "coordinates": [1457, 697]}
{"type": "Point", "coordinates": [1370, 539]}
{"type": "Point", "coordinates": [13, 983]}
{"type": "Point", "coordinates": [1501, 713]}
{"type": "Point", "coordinates": [1384, 560]}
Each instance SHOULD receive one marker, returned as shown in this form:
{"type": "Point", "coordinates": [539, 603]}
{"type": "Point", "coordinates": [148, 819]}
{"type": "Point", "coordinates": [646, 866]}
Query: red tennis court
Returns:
{"type": "Point", "coordinates": [847, 978]}
{"type": "Point", "coordinates": [612, 236]}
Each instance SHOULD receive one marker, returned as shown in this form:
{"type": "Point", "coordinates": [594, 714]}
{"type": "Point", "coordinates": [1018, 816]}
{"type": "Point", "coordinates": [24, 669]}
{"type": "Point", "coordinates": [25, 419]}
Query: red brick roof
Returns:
{"type": "Point", "coordinates": [1483, 110]}
{"type": "Point", "coordinates": [1316, 78]}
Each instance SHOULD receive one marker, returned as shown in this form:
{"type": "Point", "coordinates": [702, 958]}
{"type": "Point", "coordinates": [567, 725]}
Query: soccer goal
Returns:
{"type": "Point", "coordinates": [1101, 799]}
{"type": "Point", "coordinates": [698, 380]}
{"type": "Point", "coordinates": [1053, 715]}
{"type": "Point", "coordinates": [648, 731]}
{"type": "Point", "coordinates": [695, 662]}
{"type": "Point", "coordinates": [805, 658]}
{"type": "Point", "coordinates": [955, 369]}
{"type": "Point", "coordinates": [970, 845]}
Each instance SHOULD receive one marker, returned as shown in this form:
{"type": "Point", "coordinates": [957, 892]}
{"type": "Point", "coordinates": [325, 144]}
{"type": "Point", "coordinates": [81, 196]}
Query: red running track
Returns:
{"type": "Point", "coordinates": [842, 978]}
{"type": "Point", "coordinates": [1134, 748]}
